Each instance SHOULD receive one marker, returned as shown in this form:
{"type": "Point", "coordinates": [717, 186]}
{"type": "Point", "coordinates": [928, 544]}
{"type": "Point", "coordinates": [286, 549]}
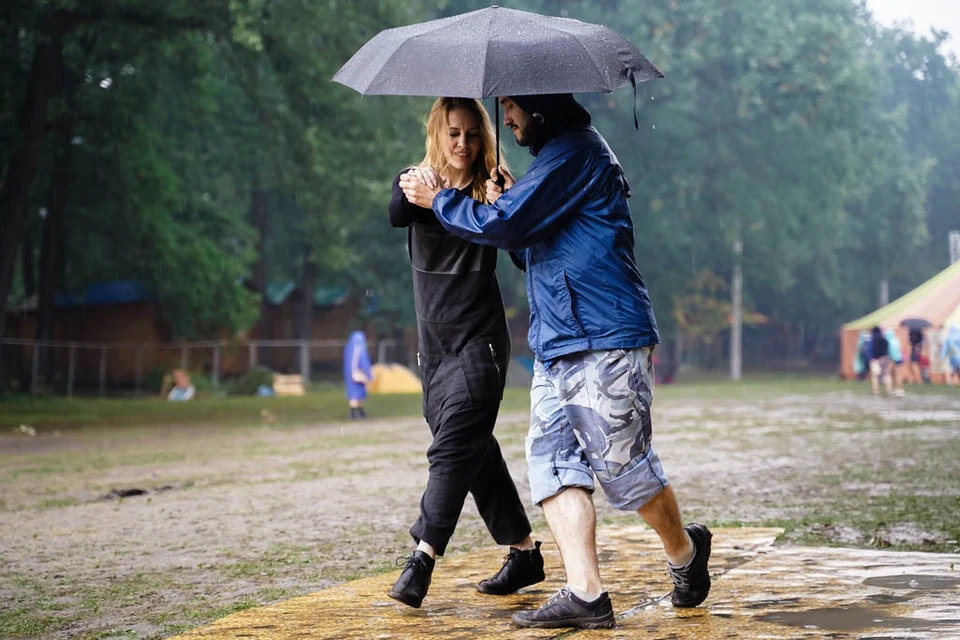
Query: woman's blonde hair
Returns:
{"type": "Point", "coordinates": [437, 128]}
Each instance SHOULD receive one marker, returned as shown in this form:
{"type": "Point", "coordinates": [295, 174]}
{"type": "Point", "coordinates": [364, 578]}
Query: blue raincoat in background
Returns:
{"type": "Point", "coordinates": [951, 347]}
{"type": "Point", "coordinates": [356, 366]}
{"type": "Point", "coordinates": [896, 352]}
{"type": "Point", "coordinates": [861, 357]}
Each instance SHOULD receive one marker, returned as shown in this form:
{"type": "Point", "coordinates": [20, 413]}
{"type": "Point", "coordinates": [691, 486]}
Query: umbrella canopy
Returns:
{"type": "Point", "coordinates": [495, 52]}
{"type": "Point", "coordinates": [915, 323]}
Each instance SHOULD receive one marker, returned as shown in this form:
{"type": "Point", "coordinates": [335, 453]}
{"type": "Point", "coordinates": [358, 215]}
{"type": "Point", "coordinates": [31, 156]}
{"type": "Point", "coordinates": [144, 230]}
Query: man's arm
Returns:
{"type": "Point", "coordinates": [534, 207]}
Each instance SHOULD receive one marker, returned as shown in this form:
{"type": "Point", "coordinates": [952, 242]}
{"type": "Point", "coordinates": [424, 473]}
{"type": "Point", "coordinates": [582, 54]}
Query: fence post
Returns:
{"type": "Point", "coordinates": [103, 370]}
{"type": "Point", "coordinates": [305, 361]}
{"type": "Point", "coordinates": [35, 369]}
{"type": "Point", "coordinates": [382, 351]}
{"type": "Point", "coordinates": [184, 358]}
{"type": "Point", "coordinates": [139, 373]}
{"type": "Point", "coordinates": [216, 366]}
{"type": "Point", "coordinates": [71, 370]}
{"type": "Point", "coordinates": [252, 356]}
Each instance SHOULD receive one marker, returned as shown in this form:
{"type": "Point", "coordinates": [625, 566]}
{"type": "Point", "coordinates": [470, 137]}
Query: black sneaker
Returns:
{"type": "Point", "coordinates": [567, 610]}
{"type": "Point", "coordinates": [691, 584]}
{"type": "Point", "coordinates": [411, 587]}
{"type": "Point", "coordinates": [520, 569]}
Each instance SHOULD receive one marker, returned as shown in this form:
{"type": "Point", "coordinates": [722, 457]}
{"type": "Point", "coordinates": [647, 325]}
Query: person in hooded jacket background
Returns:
{"type": "Point", "coordinates": [357, 373]}
{"type": "Point", "coordinates": [592, 332]}
{"type": "Point", "coordinates": [464, 348]}
{"type": "Point", "coordinates": [950, 353]}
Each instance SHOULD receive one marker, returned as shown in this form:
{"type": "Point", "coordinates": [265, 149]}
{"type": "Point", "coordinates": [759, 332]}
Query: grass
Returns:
{"type": "Point", "coordinates": [49, 414]}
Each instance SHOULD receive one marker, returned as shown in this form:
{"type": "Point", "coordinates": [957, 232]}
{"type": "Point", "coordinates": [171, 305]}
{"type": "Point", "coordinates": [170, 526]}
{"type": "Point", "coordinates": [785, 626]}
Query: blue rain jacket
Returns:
{"type": "Point", "coordinates": [568, 222]}
{"type": "Point", "coordinates": [896, 352]}
{"type": "Point", "coordinates": [356, 360]}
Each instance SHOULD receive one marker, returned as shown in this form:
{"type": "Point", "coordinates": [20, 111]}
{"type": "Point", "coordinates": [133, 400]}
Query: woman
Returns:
{"type": "Point", "coordinates": [464, 350]}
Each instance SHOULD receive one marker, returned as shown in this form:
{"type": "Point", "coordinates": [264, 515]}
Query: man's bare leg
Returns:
{"type": "Point", "coordinates": [573, 521]}
{"type": "Point", "coordinates": [663, 514]}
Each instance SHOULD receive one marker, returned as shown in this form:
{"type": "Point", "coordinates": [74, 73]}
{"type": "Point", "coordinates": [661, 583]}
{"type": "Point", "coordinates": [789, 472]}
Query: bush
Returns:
{"type": "Point", "coordinates": [248, 383]}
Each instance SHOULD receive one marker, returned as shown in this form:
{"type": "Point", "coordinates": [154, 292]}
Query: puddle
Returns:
{"type": "Point", "coordinates": [913, 581]}
{"type": "Point", "coordinates": [852, 619]}
{"type": "Point", "coordinates": [766, 604]}
{"type": "Point", "coordinates": [884, 599]}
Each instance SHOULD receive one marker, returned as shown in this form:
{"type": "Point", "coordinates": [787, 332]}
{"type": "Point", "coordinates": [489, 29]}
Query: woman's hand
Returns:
{"type": "Point", "coordinates": [493, 189]}
{"type": "Point", "coordinates": [421, 185]}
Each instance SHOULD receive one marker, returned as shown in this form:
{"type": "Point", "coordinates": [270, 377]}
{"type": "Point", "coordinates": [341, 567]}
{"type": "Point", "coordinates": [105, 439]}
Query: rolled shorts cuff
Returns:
{"type": "Point", "coordinates": [548, 479]}
{"type": "Point", "coordinates": [636, 487]}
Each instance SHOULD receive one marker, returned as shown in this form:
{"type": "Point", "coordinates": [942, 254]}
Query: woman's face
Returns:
{"type": "Point", "coordinates": [462, 143]}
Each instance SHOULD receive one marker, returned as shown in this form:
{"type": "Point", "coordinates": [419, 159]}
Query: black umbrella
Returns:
{"type": "Point", "coordinates": [915, 323]}
{"type": "Point", "coordinates": [495, 52]}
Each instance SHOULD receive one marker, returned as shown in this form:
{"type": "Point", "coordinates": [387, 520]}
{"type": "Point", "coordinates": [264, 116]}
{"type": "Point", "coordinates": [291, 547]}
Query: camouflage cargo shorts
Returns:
{"type": "Point", "coordinates": [590, 415]}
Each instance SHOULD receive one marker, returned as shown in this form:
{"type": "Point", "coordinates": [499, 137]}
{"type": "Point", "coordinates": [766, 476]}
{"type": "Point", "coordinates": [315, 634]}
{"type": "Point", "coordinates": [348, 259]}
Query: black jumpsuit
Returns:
{"type": "Point", "coordinates": [464, 348]}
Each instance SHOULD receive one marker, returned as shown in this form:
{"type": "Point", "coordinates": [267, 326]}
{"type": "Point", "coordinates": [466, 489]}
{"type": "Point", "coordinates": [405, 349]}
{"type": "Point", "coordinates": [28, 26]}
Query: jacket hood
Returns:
{"type": "Point", "coordinates": [556, 113]}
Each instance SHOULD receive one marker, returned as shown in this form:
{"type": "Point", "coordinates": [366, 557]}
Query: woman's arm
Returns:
{"type": "Point", "coordinates": [402, 212]}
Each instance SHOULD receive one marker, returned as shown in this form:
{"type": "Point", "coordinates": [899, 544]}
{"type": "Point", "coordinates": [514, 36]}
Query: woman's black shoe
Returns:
{"type": "Point", "coordinates": [520, 569]}
{"type": "Point", "coordinates": [411, 587]}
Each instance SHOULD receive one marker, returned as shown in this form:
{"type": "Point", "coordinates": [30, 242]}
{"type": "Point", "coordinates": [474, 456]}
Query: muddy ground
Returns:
{"type": "Point", "coordinates": [233, 517]}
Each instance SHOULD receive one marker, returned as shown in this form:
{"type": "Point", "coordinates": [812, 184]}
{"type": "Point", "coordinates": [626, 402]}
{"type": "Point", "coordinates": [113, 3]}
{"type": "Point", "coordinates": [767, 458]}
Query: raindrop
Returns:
{"type": "Point", "coordinates": [105, 83]}
{"type": "Point", "coordinates": [654, 127]}
{"type": "Point", "coordinates": [652, 98]}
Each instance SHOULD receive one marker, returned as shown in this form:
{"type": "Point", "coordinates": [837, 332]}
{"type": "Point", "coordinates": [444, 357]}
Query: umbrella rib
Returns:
{"type": "Point", "coordinates": [592, 59]}
{"type": "Point", "coordinates": [483, 72]}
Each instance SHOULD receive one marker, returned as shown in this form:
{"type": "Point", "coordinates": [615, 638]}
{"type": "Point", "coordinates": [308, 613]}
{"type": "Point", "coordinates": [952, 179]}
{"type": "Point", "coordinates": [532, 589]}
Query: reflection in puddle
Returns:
{"type": "Point", "coordinates": [851, 619]}
{"type": "Point", "coordinates": [913, 581]}
{"type": "Point", "coordinates": [767, 604]}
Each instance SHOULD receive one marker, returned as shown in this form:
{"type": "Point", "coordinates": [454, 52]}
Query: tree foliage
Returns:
{"type": "Point", "coordinates": [207, 143]}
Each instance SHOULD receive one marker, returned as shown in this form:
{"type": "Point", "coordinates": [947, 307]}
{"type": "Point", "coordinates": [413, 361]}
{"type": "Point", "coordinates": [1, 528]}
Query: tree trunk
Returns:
{"type": "Point", "coordinates": [52, 241]}
{"type": "Point", "coordinates": [27, 270]}
{"type": "Point", "coordinates": [884, 298]}
{"type": "Point", "coordinates": [258, 220]}
{"type": "Point", "coordinates": [306, 301]}
{"type": "Point", "coordinates": [26, 158]}
{"type": "Point", "coordinates": [736, 304]}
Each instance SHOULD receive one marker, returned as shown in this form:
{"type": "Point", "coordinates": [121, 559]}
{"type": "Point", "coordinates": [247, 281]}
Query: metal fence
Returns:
{"type": "Point", "coordinates": [69, 367]}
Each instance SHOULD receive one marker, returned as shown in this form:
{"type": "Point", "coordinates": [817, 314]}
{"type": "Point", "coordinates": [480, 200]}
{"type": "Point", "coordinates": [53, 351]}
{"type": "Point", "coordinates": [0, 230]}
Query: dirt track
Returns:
{"type": "Point", "coordinates": [234, 517]}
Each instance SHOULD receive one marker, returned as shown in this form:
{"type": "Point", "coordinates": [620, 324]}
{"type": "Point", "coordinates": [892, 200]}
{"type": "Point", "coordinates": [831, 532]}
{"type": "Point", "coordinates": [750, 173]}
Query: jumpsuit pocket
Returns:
{"type": "Point", "coordinates": [483, 371]}
{"type": "Point", "coordinates": [446, 393]}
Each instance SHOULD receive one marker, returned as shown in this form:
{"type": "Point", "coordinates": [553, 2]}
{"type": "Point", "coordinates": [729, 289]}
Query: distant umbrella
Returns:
{"type": "Point", "coordinates": [495, 52]}
{"type": "Point", "coordinates": [915, 323]}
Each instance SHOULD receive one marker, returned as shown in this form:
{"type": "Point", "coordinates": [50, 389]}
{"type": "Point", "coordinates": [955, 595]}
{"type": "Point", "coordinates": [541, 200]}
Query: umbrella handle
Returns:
{"type": "Point", "coordinates": [496, 128]}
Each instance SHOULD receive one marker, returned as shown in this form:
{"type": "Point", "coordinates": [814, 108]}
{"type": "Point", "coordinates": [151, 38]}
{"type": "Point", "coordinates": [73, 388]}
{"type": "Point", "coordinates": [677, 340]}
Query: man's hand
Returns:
{"type": "Point", "coordinates": [421, 185]}
{"type": "Point", "coordinates": [493, 189]}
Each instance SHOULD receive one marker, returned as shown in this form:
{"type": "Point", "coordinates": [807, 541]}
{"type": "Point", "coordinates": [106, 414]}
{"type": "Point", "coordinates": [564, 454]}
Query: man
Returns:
{"type": "Point", "coordinates": [592, 331]}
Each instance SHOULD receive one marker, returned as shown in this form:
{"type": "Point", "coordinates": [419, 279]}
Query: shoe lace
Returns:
{"type": "Point", "coordinates": [409, 561]}
{"type": "Point", "coordinates": [681, 578]}
{"type": "Point", "coordinates": [509, 559]}
{"type": "Point", "coordinates": [562, 594]}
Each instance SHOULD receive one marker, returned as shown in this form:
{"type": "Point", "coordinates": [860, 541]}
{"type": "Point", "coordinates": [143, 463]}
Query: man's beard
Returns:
{"type": "Point", "coordinates": [527, 136]}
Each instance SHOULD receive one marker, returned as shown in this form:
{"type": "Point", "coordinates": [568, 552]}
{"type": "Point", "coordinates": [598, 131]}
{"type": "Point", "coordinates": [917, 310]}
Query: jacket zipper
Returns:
{"type": "Point", "coordinates": [493, 354]}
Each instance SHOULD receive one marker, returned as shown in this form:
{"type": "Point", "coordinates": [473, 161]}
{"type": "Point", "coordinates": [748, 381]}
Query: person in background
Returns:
{"type": "Point", "coordinates": [879, 362]}
{"type": "Point", "coordinates": [357, 373]}
{"type": "Point", "coordinates": [464, 350]}
{"type": "Point", "coordinates": [950, 353]}
{"type": "Point", "coordinates": [861, 360]}
{"type": "Point", "coordinates": [182, 389]}
{"type": "Point", "coordinates": [896, 361]}
{"type": "Point", "coordinates": [917, 344]}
